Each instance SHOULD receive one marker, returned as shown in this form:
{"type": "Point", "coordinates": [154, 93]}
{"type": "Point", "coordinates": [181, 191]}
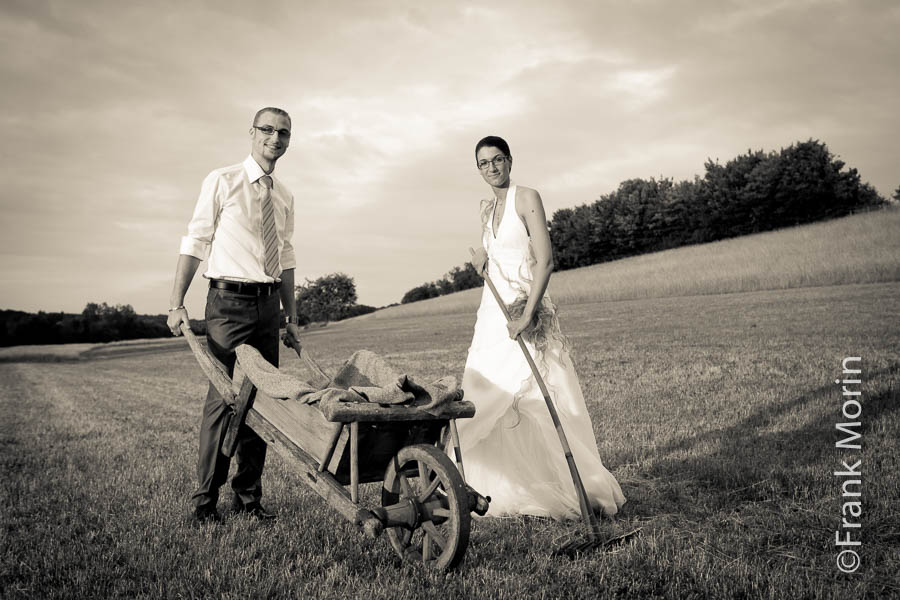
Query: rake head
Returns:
{"type": "Point", "coordinates": [579, 546]}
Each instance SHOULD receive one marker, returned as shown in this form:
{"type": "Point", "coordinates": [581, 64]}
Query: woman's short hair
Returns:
{"type": "Point", "coordinates": [492, 141]}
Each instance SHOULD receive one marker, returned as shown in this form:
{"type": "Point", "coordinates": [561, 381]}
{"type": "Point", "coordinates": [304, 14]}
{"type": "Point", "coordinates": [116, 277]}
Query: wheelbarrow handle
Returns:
{"type": "Point", "coordinates": [303, 354]}
{"type": "Point", "coordinates": [189, 336]}
{"type": "Point", "coordinates": [211, 367]}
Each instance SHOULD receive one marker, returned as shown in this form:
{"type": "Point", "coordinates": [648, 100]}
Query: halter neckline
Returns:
{"type": "Point", "coordinates": [510, 190]}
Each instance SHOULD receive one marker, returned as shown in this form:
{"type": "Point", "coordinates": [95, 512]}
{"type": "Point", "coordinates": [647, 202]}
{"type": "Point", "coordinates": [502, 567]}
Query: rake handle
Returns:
{"type": "Point", "coordinates": [586, 513]}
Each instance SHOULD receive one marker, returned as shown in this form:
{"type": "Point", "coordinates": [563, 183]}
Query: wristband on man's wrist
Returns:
{"type": "Point", "coordinates": [176, 308]}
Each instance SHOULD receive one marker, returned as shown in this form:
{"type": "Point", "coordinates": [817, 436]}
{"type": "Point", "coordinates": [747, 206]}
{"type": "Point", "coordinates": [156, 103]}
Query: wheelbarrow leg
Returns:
{"type": "Point", "coordinates": [477, 503]}
{"type": "Point", "coordinates": [332, 442]}
{"type": "Point", "coordinates": [354, 462]}
{"type": "Point", "coordinates": [454, 435]}
{"type": "Point", "coordinates": [243, 403]}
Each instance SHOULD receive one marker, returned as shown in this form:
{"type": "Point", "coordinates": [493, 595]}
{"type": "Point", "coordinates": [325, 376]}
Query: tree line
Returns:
{"type": "Point", "coordinates": [97, 323]}
{"type": "Point", "coordinates": [755, 192]}
{"type": "Point", "coordinates": [328, 298]}
{"type": "Point", "coordinates": [457, 280]}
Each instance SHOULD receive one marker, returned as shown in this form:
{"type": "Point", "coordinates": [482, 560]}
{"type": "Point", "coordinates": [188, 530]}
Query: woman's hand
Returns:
{"type": "Point", "coordinates": [517, 326]}
{"type": "Point", "coordinates": [479, 261]}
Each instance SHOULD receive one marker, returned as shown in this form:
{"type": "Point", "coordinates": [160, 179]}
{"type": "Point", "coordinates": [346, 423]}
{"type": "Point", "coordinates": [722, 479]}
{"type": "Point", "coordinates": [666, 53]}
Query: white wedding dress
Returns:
{"type": "Point", "coordinates": [510, 449]}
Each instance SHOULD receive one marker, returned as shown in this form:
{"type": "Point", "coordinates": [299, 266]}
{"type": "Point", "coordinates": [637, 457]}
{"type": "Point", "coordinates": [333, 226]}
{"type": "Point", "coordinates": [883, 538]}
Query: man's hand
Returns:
{"type": "Point", "coordinates": [291, 336]}
{"type": "Point", "coordinates": [176, 318]}
{"type": "Point", "coordinates": [479, 261]}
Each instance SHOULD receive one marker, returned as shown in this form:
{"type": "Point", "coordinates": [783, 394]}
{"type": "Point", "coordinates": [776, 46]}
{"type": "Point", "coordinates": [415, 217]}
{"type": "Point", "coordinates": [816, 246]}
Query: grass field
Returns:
{"type": "Point", "coordinates": [863, 248]}
{"type": "Point", "coordinates": [87, 351]}
{"type": "Point", "coordinates": [716, 413]}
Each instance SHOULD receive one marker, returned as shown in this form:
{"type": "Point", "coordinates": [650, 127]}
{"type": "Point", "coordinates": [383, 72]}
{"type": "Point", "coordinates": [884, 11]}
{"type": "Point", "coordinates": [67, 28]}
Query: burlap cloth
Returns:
{"type": "Point", "coordinates": [365, 377]}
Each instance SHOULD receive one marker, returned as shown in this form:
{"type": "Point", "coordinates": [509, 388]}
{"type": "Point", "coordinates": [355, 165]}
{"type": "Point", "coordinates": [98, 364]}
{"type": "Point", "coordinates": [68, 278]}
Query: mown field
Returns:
{"type": "Point", "coordinates": [717, 414]}
{"type": "Point", "coordinates": [862, 248]}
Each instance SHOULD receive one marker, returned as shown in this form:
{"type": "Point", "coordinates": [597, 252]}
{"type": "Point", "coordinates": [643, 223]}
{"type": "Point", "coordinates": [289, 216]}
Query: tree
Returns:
{"type": "Point", "coordinates": [562, 238]}
{"type": "Point", "coordinates": [572, 231]}
{"type": "Point", "coordinates": [673, 222]}
{"type": "Point", "coordinates": [464, 278]}
{"type": "Point", "coordinates": [328, 298]}
{"type": "Point", "coordinates": [422, 292]}
{"type": "Point", "coordinates": [92, 311]}
{"type": "Point", "coordinates": [445, 285]}
{"type": "Point", "coordinates": [896, 195]}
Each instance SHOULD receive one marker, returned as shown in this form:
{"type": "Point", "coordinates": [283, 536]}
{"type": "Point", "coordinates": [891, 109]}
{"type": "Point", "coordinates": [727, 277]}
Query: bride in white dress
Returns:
{"type": "Point", "coordinates": [510, 448]}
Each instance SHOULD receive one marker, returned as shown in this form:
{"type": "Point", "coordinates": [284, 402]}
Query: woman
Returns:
{"type": "Point", "coordinates": [510, 448]}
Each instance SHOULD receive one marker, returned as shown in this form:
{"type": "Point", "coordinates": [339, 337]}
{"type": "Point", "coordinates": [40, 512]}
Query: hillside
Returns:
{"type": "Point", "coordinates": [861, 248]}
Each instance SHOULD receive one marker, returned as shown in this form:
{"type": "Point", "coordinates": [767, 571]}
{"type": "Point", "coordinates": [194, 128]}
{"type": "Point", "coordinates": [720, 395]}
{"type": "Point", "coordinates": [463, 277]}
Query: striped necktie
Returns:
{"type": "Point", "coordinates": [270, 238]}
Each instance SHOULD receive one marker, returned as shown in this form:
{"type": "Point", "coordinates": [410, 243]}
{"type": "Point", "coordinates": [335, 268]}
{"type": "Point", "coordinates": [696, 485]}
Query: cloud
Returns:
{"type": "Point", "coordinates": [118, 110]}
{"type": "Point", "coordinates": [644, 86]}
{"type": "Point", "coordinates": [729, 17]}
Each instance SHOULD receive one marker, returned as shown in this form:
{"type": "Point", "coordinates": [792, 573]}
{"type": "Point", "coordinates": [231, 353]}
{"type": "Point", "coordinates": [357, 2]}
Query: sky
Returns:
{"type": "Point", "coordinates": [114, 112]}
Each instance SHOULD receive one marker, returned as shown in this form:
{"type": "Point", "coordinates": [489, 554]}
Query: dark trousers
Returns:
{"type": "Point", "coordinates": [231, 320]}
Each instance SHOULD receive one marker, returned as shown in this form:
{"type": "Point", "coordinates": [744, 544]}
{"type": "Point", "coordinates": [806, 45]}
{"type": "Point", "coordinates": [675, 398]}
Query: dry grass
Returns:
{"type": "Point", "coordinates": [44, 352]}
{"type": "Point", "coordinates": [76, 352]}
{"type": "Point", "coordinates": [716, 413]}
{"type": "Point", "coordinates": [862, 248]}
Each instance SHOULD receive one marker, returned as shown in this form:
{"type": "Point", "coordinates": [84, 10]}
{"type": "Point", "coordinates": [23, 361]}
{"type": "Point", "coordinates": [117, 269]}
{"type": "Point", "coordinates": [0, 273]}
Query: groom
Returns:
{"type": "Point", "coordinates": [243, 223]}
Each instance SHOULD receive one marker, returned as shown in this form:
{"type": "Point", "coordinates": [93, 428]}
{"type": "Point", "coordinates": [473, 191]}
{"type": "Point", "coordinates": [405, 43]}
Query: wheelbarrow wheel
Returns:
{"type": "Point", "coordinates": [426, 479]}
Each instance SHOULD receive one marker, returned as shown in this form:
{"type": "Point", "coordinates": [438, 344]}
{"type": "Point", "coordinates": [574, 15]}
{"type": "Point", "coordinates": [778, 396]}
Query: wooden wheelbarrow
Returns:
{"type": "Point", "coordinates": [426, 505]}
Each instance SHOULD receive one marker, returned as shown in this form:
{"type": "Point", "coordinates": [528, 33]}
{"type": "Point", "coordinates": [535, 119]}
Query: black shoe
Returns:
{"type": "Point", "coordinates": [253, 510]}
{"type": "Point", "coordinates": [206, 513]}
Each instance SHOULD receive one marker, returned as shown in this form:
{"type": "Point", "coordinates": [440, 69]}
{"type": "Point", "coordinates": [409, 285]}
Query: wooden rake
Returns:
{"type": "Point", "coordinates": [592, 525]}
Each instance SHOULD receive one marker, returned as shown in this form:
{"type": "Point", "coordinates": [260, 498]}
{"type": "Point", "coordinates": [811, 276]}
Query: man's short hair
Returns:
{"type": "Point", "coordinates": [492, 141]}
{"type": "Point", "coordinates": [271, 109]}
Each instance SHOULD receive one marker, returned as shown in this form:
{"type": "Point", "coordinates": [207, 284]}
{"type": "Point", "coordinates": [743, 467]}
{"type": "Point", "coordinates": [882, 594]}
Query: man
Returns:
{"type": "Point", "coordinates": [243, 222]}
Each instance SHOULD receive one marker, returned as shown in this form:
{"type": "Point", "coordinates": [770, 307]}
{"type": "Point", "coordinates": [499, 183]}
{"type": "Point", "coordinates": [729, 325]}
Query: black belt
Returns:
{"type": "Point", "coordinates": [250, 289]}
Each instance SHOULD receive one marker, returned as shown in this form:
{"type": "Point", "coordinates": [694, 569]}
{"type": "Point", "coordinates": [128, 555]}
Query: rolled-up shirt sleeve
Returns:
{"type": "Point", "coordinates": [288, 259]}
{"type": "Point", "coordinates": [202, 226]}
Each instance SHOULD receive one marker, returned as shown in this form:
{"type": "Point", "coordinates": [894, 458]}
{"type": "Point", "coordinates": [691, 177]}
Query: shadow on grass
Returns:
{"type": "Point", "coordinates": [757, 459]}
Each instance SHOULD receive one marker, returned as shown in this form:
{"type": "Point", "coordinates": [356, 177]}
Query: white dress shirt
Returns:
{"type": "Point", "coordinates": [227, 224]}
